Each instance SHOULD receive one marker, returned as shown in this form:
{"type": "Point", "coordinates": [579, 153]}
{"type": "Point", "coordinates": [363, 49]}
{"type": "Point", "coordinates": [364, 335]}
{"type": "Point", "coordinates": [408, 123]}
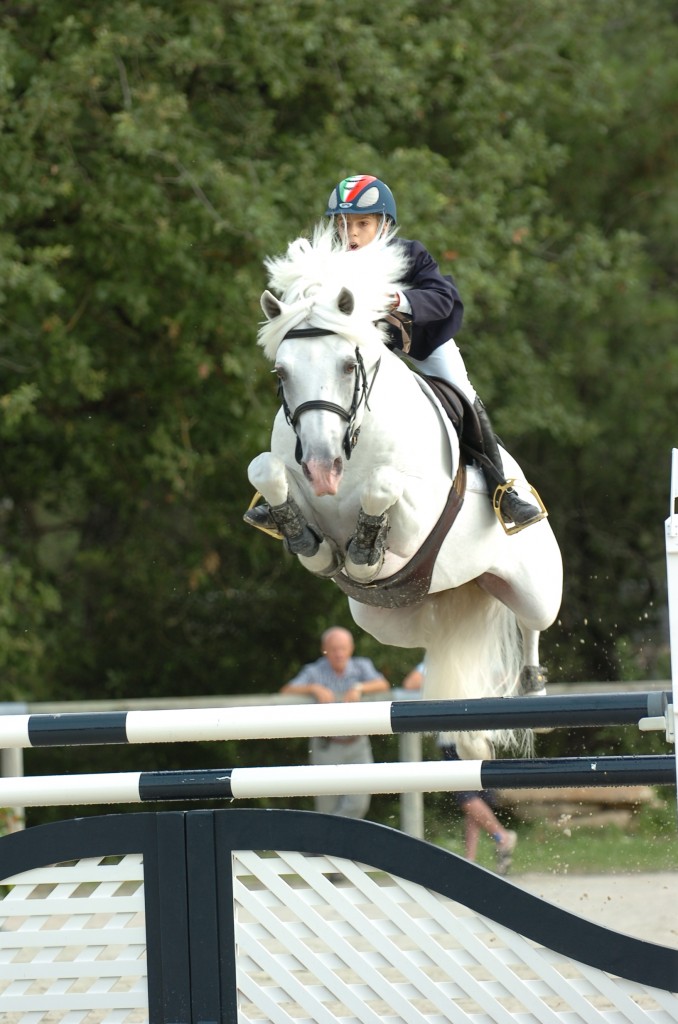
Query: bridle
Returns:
{"type": "Point", "coordinates": [361, 393]}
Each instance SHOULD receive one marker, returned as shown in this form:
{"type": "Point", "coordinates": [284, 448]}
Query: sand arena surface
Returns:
{"type": "Point", "coordinates": [642, 905]}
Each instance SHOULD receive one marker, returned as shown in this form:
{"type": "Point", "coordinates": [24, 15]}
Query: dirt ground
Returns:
{"type": "Point", "coordinates": [645, 906]}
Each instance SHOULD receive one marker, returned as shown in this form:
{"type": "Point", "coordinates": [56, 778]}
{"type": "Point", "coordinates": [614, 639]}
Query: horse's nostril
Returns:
{"type": "Point", "coordinates": [337, 465]}
{"type": "Point", "coordinates": [305, 471]}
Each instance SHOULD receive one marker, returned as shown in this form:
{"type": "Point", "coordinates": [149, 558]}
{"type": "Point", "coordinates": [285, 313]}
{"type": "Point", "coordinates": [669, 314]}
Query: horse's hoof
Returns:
{"type": "Point", "coordinates": [367, 557]}
{"type": "Point", "coordinates": [533, 680]}
{"type": "Point", "coordinates": [324, 568]}
{"type": "Point", "coordinates": [362, 573]}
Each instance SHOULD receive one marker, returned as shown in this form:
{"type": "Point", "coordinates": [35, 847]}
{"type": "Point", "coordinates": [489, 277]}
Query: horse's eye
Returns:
{"type": "Point", "coordinates": [279, 372]}
{"type": "Point", "coordinates": [349, 366]}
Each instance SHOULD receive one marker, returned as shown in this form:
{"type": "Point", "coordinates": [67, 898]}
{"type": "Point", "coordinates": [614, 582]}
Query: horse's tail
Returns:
{"type": "Point", "coordinates": [473, 649]}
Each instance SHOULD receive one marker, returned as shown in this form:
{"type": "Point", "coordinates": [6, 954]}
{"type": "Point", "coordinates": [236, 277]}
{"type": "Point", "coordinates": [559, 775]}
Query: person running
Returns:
{"type": "Point", "coordinates": [477, 807]}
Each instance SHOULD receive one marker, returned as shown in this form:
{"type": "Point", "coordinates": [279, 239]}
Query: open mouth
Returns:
{"type": "Point", "coordinates": [353, 245]}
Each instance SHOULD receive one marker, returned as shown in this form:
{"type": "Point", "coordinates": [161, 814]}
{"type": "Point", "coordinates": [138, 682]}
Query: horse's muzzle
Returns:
{"type": "Point", "coordinates": [324, 476]}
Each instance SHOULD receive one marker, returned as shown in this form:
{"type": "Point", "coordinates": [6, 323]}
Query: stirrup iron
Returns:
{"type": "Point", "coordinates": [276, 534]}
{"type": "Point", "coordinates": [500, 491]}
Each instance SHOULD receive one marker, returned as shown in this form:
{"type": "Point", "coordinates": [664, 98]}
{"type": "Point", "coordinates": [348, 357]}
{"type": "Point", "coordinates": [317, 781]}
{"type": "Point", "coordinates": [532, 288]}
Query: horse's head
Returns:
{"type": "Point", "coordinates": [326, 343]}
{"type": "Point", "coordinates": [323, 383]}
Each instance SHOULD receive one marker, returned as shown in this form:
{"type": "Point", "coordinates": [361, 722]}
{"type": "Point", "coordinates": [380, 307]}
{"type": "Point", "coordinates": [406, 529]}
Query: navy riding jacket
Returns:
{"type": "Point", "coordinates": [437, 309]}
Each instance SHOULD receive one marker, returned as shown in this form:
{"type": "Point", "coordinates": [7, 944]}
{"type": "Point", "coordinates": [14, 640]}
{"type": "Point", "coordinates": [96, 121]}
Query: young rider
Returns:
{"type": "Point", "coordinates": [429, 303]}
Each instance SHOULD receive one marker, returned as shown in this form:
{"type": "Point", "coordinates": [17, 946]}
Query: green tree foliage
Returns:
{"type": "Point", "coordinates": [153, 154]}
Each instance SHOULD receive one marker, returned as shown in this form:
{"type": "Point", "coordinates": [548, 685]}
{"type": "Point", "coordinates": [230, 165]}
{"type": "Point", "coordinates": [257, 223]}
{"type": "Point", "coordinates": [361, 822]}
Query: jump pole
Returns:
{"type": "Point", "coordinates": [321, 780]}
{"type": "Point", "coordinates": [376, 718]}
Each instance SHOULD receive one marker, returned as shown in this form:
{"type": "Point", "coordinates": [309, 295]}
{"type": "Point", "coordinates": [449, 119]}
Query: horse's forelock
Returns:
{"type": "Point", "coordinates": [312, 273]}
{"type": "Point", "coordinates": [360, 333]}
{"type": "Point", "coordinates": [324, 260]}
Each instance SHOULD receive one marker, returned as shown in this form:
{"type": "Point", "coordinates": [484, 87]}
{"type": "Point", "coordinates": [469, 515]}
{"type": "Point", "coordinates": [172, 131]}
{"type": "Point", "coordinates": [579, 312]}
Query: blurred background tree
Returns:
{"type": "Point", "coordinates": [153, 154]}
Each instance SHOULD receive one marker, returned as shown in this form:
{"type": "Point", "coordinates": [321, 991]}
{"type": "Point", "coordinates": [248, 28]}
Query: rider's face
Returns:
{"type": "Point", "coordinates": [358, 229]}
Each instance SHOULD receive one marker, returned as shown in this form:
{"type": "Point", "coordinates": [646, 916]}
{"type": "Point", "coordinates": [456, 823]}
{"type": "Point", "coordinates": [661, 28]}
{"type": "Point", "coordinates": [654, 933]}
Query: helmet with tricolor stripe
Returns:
{"type": "Point", "coordinates": [361, 193]}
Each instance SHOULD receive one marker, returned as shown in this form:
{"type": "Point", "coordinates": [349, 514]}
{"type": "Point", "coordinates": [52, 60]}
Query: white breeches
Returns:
{"type": "Point", "coordinates": [446, 362]}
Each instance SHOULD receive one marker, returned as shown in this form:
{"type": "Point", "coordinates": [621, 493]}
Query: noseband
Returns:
{"type": "Point", "coordinates": [361, 393]}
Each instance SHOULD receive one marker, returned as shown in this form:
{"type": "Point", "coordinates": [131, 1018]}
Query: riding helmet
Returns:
{"type": "Point", "coordinates": [361, 193]}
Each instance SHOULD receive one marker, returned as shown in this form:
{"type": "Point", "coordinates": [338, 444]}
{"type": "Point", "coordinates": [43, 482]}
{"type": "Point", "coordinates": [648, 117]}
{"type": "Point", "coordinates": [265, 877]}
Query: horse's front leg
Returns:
{"type": "Point", "coordinates": [318, 554]}
{"type": "Point", "coordinates": [367, 547]}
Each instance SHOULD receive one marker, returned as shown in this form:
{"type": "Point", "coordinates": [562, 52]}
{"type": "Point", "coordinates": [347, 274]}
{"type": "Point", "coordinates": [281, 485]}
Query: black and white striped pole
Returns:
{"type": "Point", "coordinates": [319, 780]}
{"type": "Point", "coordinates": [375, 718]}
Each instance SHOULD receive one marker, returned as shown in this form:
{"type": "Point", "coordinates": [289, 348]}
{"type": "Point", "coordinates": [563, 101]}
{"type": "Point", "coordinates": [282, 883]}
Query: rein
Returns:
{"type": "Point", "coordinates": [361, 393]}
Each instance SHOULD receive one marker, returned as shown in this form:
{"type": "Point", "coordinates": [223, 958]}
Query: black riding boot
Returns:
{"type": "Point", "coordinates": [511, 505]}
{"type": "Point", "coordinates": [260, 517]}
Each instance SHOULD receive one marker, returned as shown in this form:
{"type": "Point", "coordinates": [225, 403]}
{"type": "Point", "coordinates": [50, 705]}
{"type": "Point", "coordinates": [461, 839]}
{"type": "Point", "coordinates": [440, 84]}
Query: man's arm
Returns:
{"type": "Point", "coordinates": [372, 684]}
{"type": "Point", "coordinates": [322, 694]}
{"type": "Point", "coordinates": [414, 680]}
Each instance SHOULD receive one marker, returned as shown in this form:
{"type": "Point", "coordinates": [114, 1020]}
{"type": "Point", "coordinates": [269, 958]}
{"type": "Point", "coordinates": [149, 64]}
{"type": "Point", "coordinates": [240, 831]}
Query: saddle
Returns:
{"type": "Point", "coordinates": [462, 414]}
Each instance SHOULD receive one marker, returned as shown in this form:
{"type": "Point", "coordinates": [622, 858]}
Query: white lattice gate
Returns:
{"type": "Point", "coordinates": [204, 917]}
{"type": "Point", "coordinates": [73, 941]}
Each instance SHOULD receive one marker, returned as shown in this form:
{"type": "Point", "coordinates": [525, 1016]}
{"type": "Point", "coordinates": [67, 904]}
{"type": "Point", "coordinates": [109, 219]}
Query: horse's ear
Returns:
{"type": "Point", "coordinates": [346, 302]}
{"type": "Point", "coordinates": [270, 305]}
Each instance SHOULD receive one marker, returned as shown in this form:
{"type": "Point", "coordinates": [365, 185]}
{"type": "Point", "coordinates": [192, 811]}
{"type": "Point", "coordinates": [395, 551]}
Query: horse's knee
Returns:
{"type": "Point", "coordinates": [268, 475]}
{"type": "Point", "coordinates": [384, 487]}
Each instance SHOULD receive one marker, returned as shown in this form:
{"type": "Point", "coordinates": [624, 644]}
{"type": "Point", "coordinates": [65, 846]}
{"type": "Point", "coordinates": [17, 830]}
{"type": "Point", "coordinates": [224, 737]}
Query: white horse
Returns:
{"type": "Point", "coordinates": [364, 464]}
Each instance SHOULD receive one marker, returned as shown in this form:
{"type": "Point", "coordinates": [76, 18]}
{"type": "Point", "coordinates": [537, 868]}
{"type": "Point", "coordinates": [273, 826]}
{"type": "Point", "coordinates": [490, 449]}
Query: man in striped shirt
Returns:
{"type": "Point", "coordinates": [335, 677]}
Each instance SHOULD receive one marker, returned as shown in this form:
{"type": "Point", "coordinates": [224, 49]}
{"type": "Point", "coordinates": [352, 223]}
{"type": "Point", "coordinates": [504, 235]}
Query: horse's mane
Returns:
{"type": "Point", "coordinates": [311, 274]}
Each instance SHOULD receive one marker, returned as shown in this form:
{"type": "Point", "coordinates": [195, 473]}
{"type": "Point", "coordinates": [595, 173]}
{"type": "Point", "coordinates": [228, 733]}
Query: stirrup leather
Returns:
{"type": "Point", "coordinates": [499, 492]}
{"type": "Point", "coordinates": [258, 496]}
